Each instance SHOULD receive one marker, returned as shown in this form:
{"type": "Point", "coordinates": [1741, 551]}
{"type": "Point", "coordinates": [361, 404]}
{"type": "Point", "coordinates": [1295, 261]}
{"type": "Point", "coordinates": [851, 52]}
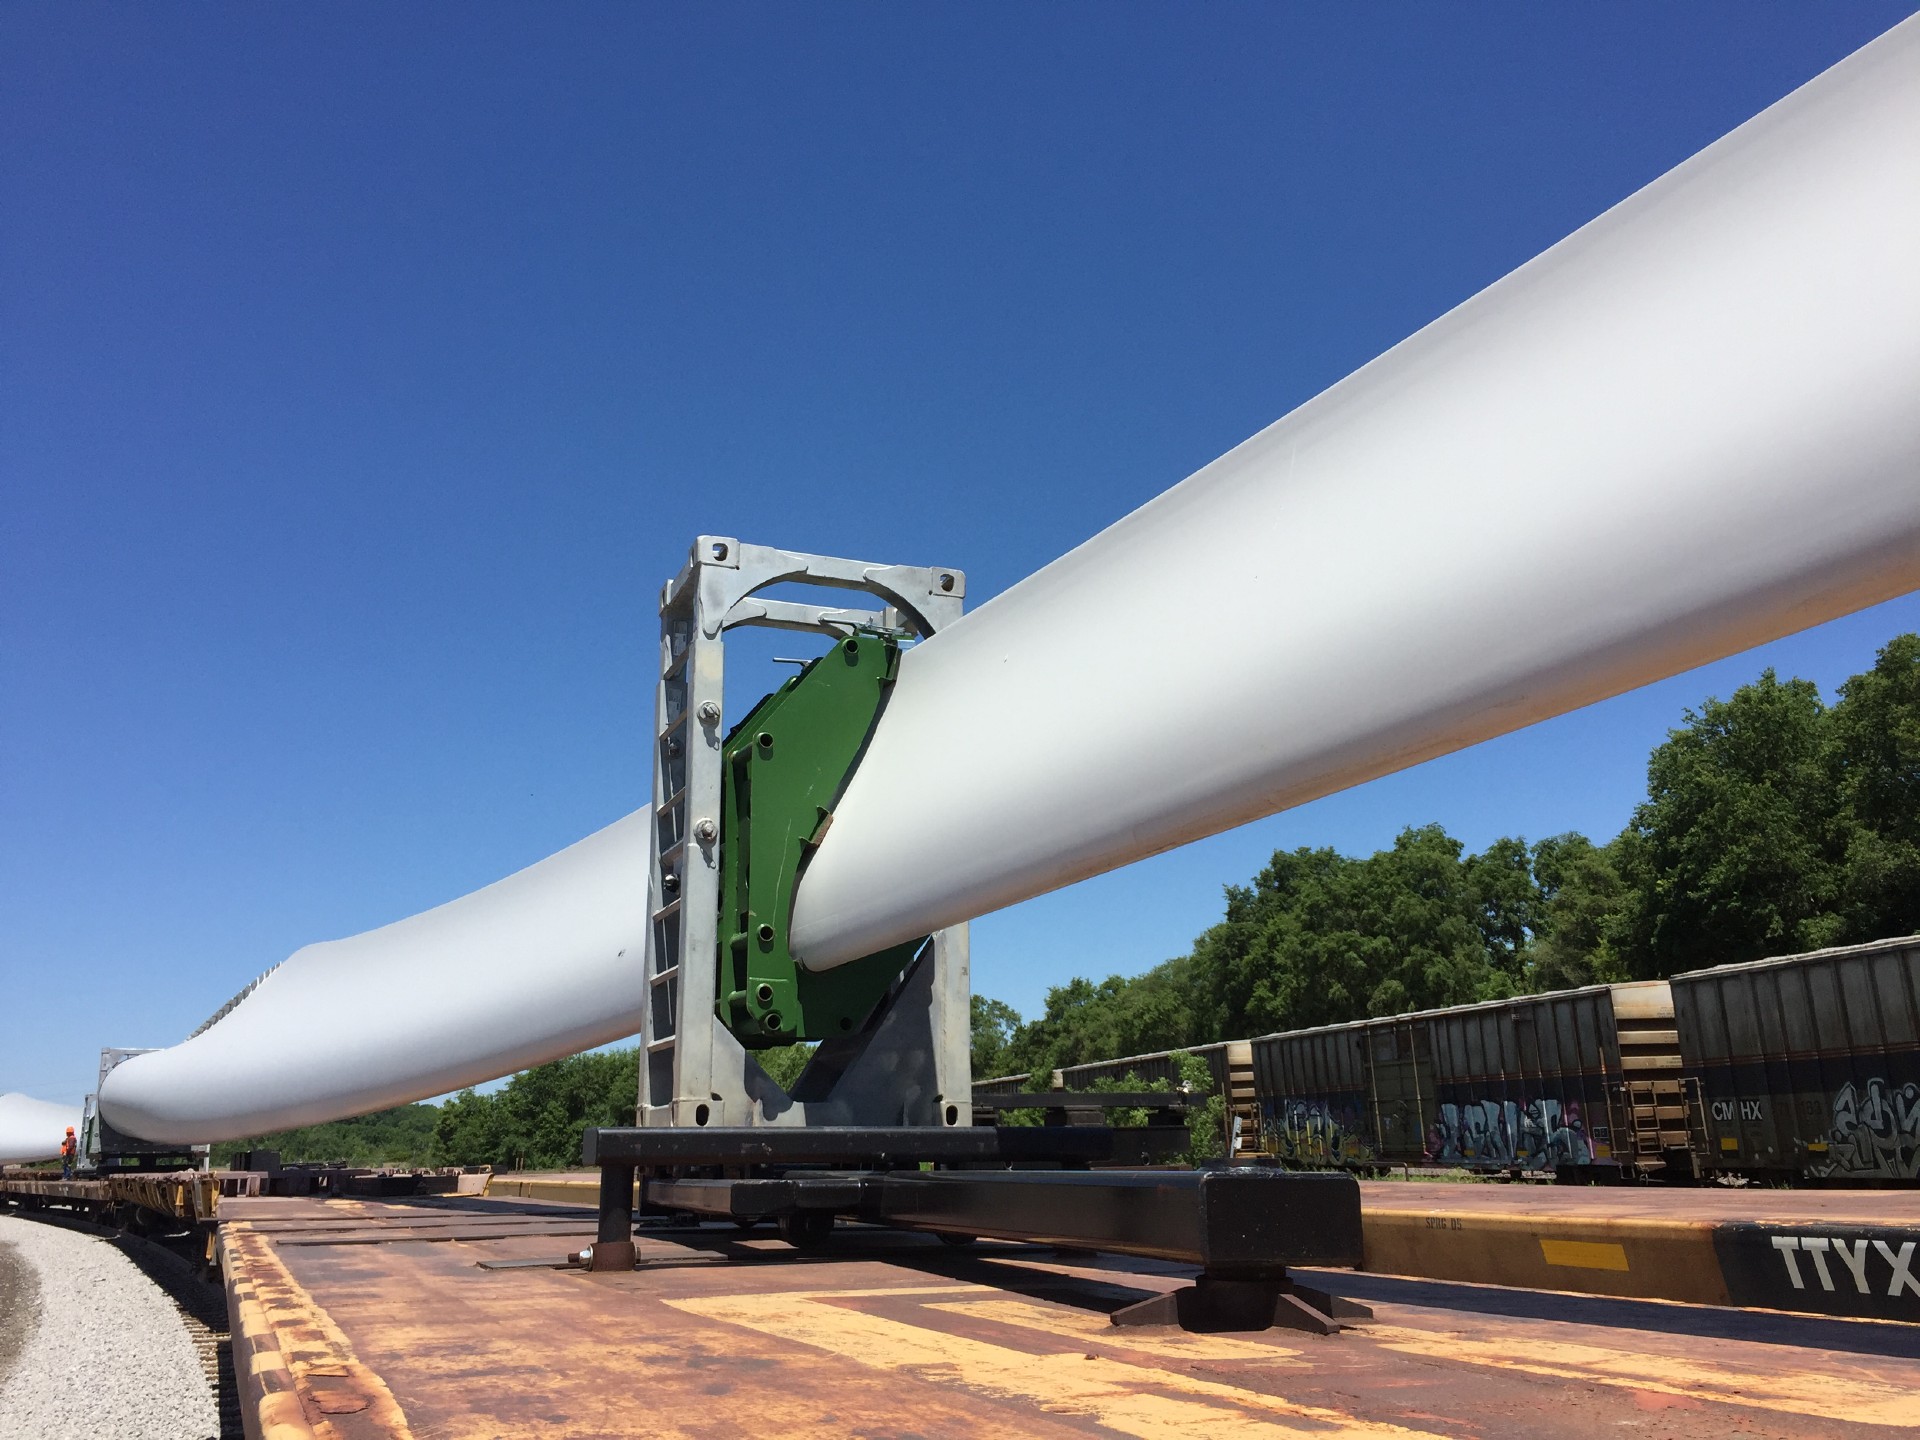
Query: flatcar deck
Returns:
{"type": "Point", "coordinates": [446, 1318]}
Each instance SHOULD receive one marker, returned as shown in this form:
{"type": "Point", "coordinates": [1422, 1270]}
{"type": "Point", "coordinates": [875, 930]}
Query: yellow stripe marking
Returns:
{"type": "Point", "coordinates": [1826, 1396]}
{"type": "Point", "coordinates": [1584, 1254]}
{"type": "Point", "coordinates": [1127, 1399]}
{"type": "Point", "coordinates": [1085, 1327]}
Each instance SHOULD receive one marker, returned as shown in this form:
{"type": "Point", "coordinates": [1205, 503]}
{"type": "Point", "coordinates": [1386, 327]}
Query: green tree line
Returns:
{"type": "Point", "coordinates": [1773, 823]}
{"type": "Point", "coordinates": [401, 1136]}
{"type": "Point", "coordinates": [533, 1122]}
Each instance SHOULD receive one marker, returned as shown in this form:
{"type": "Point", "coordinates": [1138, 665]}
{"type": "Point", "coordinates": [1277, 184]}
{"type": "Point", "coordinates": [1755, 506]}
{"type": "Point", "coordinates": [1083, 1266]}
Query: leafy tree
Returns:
{"type": "Point", "coordinates": [1206, 1122]}
{"type": "Point", "coordinates": [994, 1024]}
{"type": "Point", "coordinates": [1735, 852]}
{"type": "Point", "coordinates": [1576, 938]}
{"type": "Point", "coordinates": [783, 1063]}
{"type": "Point", "coordinates": [1508, 905]}
{"type": "Point", "coordinates": [1319, 938]}
{"type": "Point", "coordinates": [536, 1121]}
{"type": "Point", "coordinates": [400, 1136]}
{"type": "Point", "coordinates": [1084, 1022]}
{"type": "Point", "coordinates": [468, 1130]}
{"type": "Point", "coordinates": [1874, 759]}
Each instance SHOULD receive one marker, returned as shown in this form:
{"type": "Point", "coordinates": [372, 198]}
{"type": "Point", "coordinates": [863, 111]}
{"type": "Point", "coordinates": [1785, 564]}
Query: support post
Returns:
{"type": "Point", "coordinates": [613, 1242]}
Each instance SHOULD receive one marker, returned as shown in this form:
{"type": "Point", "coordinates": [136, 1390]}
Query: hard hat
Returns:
{"type": "Point", "coordinates": [69, 1129]}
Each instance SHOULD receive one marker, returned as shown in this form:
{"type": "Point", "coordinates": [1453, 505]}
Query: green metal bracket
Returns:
{"type": "Point", "coordinates": [782, 769]}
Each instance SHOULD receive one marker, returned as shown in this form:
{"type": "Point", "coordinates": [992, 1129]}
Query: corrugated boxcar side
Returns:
{"type": "Point", "coordinates": [1809, 1063]}
{"type": "Point", "coordinates": [1523, 1084]}
{"type": "Point", "coordinates": [1399, 1064]}
{"type": "Point", "coordinates": [1313, 1095]}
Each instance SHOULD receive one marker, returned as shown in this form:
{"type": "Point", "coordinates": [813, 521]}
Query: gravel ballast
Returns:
{"type": "Point", "coordinates": [105, 1353]}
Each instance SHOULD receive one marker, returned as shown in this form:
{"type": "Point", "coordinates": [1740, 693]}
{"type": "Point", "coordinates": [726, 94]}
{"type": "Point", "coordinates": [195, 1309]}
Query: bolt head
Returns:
{"type": "Point", "coordinates": [705, 831]}
{"type": "Point", "coordinates": [709, 713]}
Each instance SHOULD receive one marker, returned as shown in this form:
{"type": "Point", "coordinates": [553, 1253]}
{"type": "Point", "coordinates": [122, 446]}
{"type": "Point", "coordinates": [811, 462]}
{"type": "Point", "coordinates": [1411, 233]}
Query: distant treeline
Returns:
{"type": "Point", "coordinates": [402, 1136]}
{"type": "Point", "coordinates": [1773, 823]}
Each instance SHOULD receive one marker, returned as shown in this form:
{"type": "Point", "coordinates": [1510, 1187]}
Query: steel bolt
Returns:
{"type": "Point", "coordinates": [705, 831]}
{"type": "Point", "coordinates": [709, 712]}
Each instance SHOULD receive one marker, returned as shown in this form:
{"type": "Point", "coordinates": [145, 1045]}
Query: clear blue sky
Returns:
{"type": "Point", "coordinates": [365, 369]}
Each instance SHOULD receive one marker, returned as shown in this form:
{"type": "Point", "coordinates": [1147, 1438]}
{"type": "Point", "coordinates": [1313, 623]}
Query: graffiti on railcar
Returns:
{"type": "Point", "coordinates": [1536, 1134]}
{"type": "Point", "coordinates": [1875, 1132]}
{"type": "Point", "coordinates": [1318, 1132]}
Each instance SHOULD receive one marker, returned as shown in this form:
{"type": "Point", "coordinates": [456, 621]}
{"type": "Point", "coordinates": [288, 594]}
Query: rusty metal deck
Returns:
{"type": "Point", "coordinates": [378, 1319]}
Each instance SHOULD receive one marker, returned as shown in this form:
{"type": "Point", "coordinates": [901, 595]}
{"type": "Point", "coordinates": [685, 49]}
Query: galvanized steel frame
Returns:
{"type": "Point", "coordinates": [911, 1065]}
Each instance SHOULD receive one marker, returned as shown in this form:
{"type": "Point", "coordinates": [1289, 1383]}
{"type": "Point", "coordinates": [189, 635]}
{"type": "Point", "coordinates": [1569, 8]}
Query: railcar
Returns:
{"type": "Point", "coordinates": [1571, 1082]}
{"type": "Point", "coordinates": [1808, 1066]}
{"type": "Point", "coordinates": [1798, 1068]}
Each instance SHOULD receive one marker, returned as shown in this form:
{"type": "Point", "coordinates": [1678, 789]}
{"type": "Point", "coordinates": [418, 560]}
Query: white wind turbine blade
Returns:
{"type": "Point", "coordinates": [547, 962]}
{"type": "Point", "coordinates": [31, 1130]}
{"type": "Point", "coordinates": [1690, 427]}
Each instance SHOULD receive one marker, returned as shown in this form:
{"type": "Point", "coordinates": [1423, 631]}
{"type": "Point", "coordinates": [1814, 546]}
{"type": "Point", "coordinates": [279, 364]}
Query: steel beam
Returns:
{"type": "Point", "coordinates": [1234, 1224]}
{"type": "Point", "coordinates": [760, 1199]}
{"type": "Point", "coordinates": [849, 1145]}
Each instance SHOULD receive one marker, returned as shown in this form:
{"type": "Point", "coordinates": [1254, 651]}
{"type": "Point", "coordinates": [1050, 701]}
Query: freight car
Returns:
{"type": "Point", "coordinates": [1797, 1068]}
{"type": "Point", "coordinates": [1575, 1082]}
{"type": "Point", "coordinates": [1809, 1065]}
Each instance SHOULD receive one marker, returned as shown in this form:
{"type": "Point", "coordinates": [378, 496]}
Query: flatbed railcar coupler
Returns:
{"type": "Point", "coordinates": [877, 1127]}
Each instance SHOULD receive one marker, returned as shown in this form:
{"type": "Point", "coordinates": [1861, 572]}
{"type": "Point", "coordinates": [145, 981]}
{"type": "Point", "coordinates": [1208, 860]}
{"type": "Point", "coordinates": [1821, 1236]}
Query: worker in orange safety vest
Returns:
{"type": "Point", "coordinates": [69, 1150]}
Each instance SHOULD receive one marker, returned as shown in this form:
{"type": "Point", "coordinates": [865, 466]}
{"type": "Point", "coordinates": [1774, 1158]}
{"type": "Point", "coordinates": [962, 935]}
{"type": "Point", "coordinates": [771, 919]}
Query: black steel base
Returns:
{"type": "Point", "coordinates": [1211, 1305]}
{"type": "Point", "coordinates": [760, 1198]}
{"type": "Point", "coordinates": [877, 1146]}
{"type": "Point", "coordinates": [1242, 1226]}
{"type": "Point", "coordinates": [1235, 1224]}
